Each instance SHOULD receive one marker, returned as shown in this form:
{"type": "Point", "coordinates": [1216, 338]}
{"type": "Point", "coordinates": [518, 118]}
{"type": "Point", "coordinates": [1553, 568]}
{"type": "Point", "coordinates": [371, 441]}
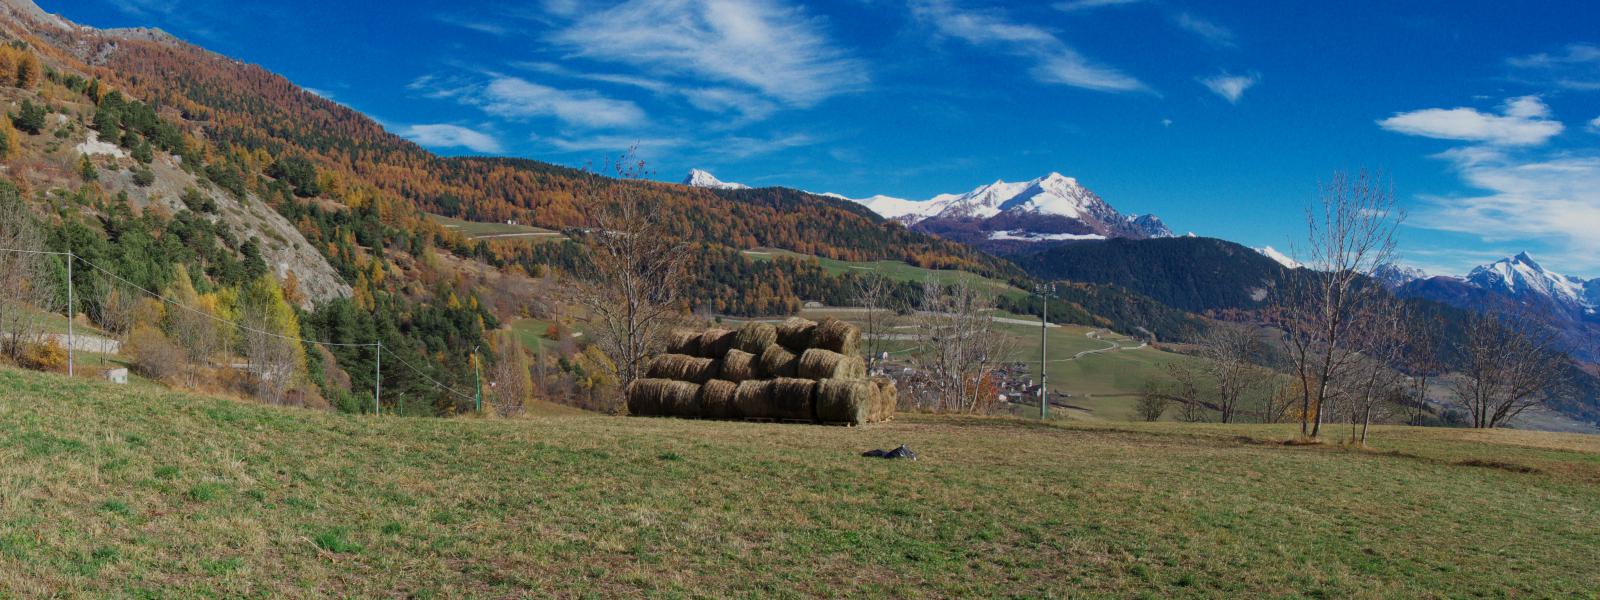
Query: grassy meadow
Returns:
{"type": "Point", "coordinates": [136, 491]}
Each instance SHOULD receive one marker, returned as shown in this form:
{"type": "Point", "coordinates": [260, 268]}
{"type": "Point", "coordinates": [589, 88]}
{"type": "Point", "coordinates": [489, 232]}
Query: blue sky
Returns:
{"type": "Point", "coordinates": [1219, 117]}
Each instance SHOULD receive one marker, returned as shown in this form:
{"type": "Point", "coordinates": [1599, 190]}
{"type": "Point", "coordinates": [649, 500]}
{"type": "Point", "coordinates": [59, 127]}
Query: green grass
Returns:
{"type": "Point", "coordinates": [530, 333]}
{"type": "Point", "coordinates": [98, 498]}
{"type": "Point", "coordinates": [474, 229]}
{"type": "Point", "coordinates": [894, 270]}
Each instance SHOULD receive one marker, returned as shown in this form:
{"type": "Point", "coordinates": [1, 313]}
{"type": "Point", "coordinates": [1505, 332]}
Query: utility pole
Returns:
{"type": "Point", "coordinates": [377, 384]}
{"type": "Point", "coordinates": [72, 312]}
{"type": "Point", "coordinates": [1044, 350]}
{"type": "Point", "coordinates": [477, 377]}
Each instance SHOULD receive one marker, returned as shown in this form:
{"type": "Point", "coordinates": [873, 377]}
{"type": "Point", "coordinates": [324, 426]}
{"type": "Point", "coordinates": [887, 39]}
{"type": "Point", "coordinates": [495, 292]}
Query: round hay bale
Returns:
{"type": "Point", "coordinates": [755, 337]}
{"type": "Point", "coordinates": [739, 365]}
{"type": "Point", "coordinates": [717, 399]}
{"type": "Point", "coordinates": [792, 399]}
{"type": "Point", "coordinates": [753, 398]}
{"type": "Point", "coordinates": [682, 367]}
{"type": "Point", "coordinates": [715, 342]}
{"type": "Point", "coordinates": [817, 363]}
{"type": "Point", "coordinates": [684, 342]}
{"type": "Point", "coordinates": [838, 336]}
{"type": "Point", "coordinates": [795, 333]}
{"type": "Point", "coordinates": [776, 361]}
{"type": "Point", "coordinates": [663, 397]}
{"type": "Point", "coordinates": [888, 398]}
{"type": "Point", "coordinates": [846, 400]}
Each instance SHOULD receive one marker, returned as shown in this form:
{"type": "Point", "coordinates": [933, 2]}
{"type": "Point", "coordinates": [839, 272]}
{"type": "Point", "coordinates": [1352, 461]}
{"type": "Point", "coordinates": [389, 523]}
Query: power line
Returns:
{"type": "Point", "coordinates": [425, 376]}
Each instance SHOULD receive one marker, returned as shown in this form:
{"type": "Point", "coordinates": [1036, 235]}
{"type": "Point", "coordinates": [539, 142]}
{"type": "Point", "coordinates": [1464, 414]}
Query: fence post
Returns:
{"type": "Point", "coordinates": [72, 313]}
{"type": "Point", "coordinates": [377, 384]}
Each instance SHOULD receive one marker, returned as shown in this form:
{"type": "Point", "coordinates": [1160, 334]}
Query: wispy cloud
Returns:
{"type": "Point", "coordinates": [1053, 61]}
{"type": "Point", "coordinates": [1230, 87]}
{"type": "Point", "coordinates": [1524, 121]}
{"type": "Point", "coordinates": [773, 48]}
{"type": "Point", "coordinates": [1576, 67]}
{"type": "Point", "coordinates": [1079, 5]}
{"type": "Point", "coordinates": [452, 136]}
{"type": "Point", "coordinates": [1553, 200]}
{"type": "Point", "coordinates": [1206, 29]}
{"type": "Point", "coordinates": [749, 106]}
{"type": "Point", "coordinates": [474, 24]}
{"type": "Point", "coordinates": [517, 98]}
{"type": "Point", "coordinates": [1594, 125]}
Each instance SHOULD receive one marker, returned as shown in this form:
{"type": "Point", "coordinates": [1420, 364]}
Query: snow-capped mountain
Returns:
{"type": "Point", "coordinates": [1051, 208]}
{"type": "Point", "coordinates": [1281, 258]}
{"type": "Point", "coordinates": [1393, 275]}
{"type": "Point", "coordinates": [1520, 277]}
{"type": "Point", "coordinates": [699, 178]}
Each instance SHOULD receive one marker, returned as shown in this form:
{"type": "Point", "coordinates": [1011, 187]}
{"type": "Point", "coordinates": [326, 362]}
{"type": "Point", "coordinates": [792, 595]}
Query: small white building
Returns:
{"type": "Point", "coordinates": [119, 376]}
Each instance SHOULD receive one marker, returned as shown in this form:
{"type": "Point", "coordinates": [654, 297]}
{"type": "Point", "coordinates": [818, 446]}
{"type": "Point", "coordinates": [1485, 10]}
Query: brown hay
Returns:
{"type": "Point", "coordinates": [663, 397]}
{"type": "Point", "coordinates": [795, 333]}
{"type": "Point", "coordinates": [846, 401]}
{"type": "Point", "coordinates": [838, 336]}
{"type": "Point", "coordinates": [778, 362]}
{"type": "Point", "coordinates": [715, 342]}
{"type": "Point", "coordinates": [684, 342]}
{"type": "Point", "coordinates": [682, 368]}
{"type": "Point", "coordinates": [817, 363]}
{"type": "Point", "coordinates": [717, 399]}
{"type": "Point", "coordinates": [739, 365]}
{"type": "Point", "coordinates": [755, 337]}
{"type": "Point", "coordinates": [752, 398]}
{"type": "Point", "coordinates": [888, 398]}
{"type": "Point", "coordinates": [792, 399]}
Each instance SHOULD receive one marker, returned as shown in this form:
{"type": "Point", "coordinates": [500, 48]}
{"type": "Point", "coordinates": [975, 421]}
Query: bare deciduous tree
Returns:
{"type": "Point", "coordinates": [1374, 382]}
{"type": "Point", "coordinates": [1507, 369]}
{"type": "Point", "coordinates": [1231, 354]}
{"type": "Point", "coordinates": [512, 375]}
{"type": "Point", "coordinates": [1152, 403]}
{"type": "Point", "coordinates": [960, 349]}
{"type": "Point", "coordinates": [1422, 362]}
{"type": "Point", "coordinates": [632, 292]}
{"type": "Point", "coordinates": [26, 277]}
{"type": "Point", "coordinates": [1186, 380]}
{"type": "Point", "coordinates": [1350, 233]}
{"type": "Point", "coordinates": [873, 294]}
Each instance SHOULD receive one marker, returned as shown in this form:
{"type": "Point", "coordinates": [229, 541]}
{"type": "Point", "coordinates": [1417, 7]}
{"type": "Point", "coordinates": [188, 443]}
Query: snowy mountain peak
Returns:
{"type": "Point", "coordinates": [1393, 275]}
{"type": "Point", "coordinates": [1521, 275]}
{"type": "Point", "coordinates": [704, 179]}
{"type": "Point", "coordinates": [1281, 258]}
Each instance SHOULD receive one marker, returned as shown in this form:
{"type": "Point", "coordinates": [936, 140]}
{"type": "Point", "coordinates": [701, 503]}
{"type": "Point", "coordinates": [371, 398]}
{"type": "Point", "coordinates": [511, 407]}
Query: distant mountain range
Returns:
{"type": "Point", "coordinates": [1003, 215]}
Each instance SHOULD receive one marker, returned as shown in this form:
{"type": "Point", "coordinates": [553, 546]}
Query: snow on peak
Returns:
{"type": "Point", "coordinates": [1520, 274]}
{"type": "Point", "coordinates": [704, 179]}
{"type": "Point", "coordinates": [1394, 275]}
{"type": "Point", "coordinates": [1281, 258]}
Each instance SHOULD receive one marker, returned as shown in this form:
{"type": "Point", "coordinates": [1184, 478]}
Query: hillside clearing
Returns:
{"type": "Point", "coordinates": [129, 491]}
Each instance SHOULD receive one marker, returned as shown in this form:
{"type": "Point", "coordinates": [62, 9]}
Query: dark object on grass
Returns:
{"type": "Point", "coordinates": [901, 452]}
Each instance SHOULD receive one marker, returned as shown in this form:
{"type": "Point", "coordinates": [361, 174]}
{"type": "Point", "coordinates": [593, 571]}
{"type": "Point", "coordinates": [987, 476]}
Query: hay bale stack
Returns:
{"type": "Point", "coordinates": [795, 333]}
{"type": "Point", "coordinates": [715, 342]}
{"type": "Point", "coordinates": [717, 399]}
{"type": "Point", "coordinates": [848, 401]}
{"type": "Point", "coordinates": [684, 342]}
{"type": "Point", "coordinates": [776, 361]}
{"type": "Point", "coordinates": [753, 397]}
{"type": "Point", "coordinates": [817, 363]}
{"type": "Point", "coordinates": [739, 365]}
{"type": "Point", "coordinates": [791, 399]}
{"type": "Point", "coordinates": [663, 397]}
{"type": "Point", "coordinates": [683, 367]}
{"type": "Point", "coordinates": [888, 398]}
{"type": "Point", "coordinates": [837, 336]}
{"type": "Point", "coordinates": [755, 337]}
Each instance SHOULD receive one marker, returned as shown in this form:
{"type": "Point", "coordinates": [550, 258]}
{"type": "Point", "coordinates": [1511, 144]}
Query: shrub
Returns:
{"type": "Point", "coordinates": [154, 355]}
{"type": "Point", "coordinates": [44, 356]}
{"type": "Point", "coordinates": [143, 177]}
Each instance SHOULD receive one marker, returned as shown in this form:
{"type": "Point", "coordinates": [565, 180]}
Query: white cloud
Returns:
{"type": "Point", "coordinates": [1523, 121]}
{"type": "Point", "coordinates": [1577, 67]}
{"type": "Point", "coordinates": [1078, 5]}
{"type": "Point", "coordinates": [1594, 125]}
{"type": "Point", "coordinates": [1054, 61]}
{"type": "Point", "coordinates": [1207, 30]}
{"type": "Point", "coordinates": [766, 45]}
{"type": "Point", "coordinates": [1552, 200]}
{"type": "Point", "coordinates": [451, 136]}
{"type": "Point", "coordinates": [1230, 87]}
{"type": "Point", "coordinates": [517, 98]}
